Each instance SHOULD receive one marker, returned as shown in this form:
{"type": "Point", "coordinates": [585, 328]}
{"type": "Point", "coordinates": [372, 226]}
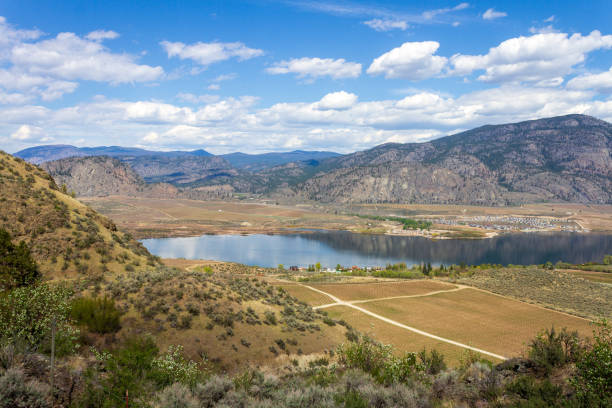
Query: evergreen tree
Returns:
{"type": "Point", "coordinates": [17, 268]}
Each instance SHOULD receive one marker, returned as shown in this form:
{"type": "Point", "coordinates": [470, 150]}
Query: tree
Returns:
{"type": "Point", "coordinates": [281, 267]}
{"type": "Point", "coordinates": [318, 266]}
{"type": "Point", "coordinates": [17, 268]}
{"type": "Point", "coordinates": [593, 379]}
{"type": "Point", "coordinates": [607, 260]}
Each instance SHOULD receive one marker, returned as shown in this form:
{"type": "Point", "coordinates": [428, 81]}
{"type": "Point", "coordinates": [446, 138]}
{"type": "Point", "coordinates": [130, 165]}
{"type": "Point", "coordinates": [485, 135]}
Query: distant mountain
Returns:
{"type": "Point", "coordinates": [256, 162]}
{"type": "Point", "coordinates": [566, 158]}
{"type": "Point", "coordinates": [41, 154]}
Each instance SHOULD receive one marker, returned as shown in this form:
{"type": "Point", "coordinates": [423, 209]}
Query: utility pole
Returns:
{"type": "Point", "coordinates": [53, 323]}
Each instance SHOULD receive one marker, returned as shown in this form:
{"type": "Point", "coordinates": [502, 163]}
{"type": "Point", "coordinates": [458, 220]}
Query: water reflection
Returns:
{"type": "Point", "coordinates": [331, 248]}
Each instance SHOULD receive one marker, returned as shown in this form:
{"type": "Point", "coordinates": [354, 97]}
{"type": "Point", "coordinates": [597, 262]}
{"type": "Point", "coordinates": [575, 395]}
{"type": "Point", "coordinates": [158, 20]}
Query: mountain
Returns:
{"type": "Point", "coordinates": [256, 162]}
{"type": "Point", "coordinates": [67, 238]}
{"type": "Point", "coordinates": [41, 154]}
{"type": "Point", "coordinates": [565, 158]}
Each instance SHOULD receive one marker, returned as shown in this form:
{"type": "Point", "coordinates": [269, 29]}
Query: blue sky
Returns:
{"type": "Point", "coordinates": [265, 75]}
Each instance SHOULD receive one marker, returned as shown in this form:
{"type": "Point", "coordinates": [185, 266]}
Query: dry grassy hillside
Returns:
{"type": "Point", "coordinates": [225, 313]}
{"type": "Point", "coordinates": [67, 238]}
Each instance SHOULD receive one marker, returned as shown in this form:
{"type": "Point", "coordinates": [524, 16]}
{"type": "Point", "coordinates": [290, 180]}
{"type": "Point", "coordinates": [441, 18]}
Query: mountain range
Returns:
{"type": "Point", "coordinates": [566, 158]}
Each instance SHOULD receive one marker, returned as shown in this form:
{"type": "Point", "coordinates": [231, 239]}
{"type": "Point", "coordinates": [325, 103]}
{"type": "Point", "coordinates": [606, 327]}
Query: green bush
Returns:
{"type": "Point", "coordinates": [432, 362]}
{"type": "Point", "coordinates": [26, 316]}
{"type": "Point", "coordinates": [593, 380]}
{"type": "Point", "coordinates": [99, 315]}
{"type": "Point", "coordinates": [17, 268]}
{"type": "Point", "coordinates": [379, 361]}
{"type": "Point", "coordinates": [552, 349]}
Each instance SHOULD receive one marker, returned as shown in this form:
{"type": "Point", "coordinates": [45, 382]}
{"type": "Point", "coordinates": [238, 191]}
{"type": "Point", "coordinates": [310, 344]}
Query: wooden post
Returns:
{"type": "Point", "coordinates": [127, 399]}
{"type": "Point", "coordinates": [53, 323]}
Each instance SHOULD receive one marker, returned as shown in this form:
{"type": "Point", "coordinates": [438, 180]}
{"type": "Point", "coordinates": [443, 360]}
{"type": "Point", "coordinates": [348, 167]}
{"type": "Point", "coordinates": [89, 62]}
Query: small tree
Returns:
{"type": "Point", "coordinates": [318, 266]}
{"type": "Point", "coordinates": [593, 379]}
{"type": "Point", "coordinates": [17, 268]}
{"type": "Point", "coordinates": [281, 267]}
{"type": "Point", "coordinates": [607, 260]}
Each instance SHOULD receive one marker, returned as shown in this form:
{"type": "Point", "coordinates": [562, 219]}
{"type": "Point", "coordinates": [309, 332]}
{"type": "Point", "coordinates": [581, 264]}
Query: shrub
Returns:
{"type": "Point", "coordinates": [593, 380]}
{"type": "Point", "coordinates": [433, 362]}
{"type": "Point", "coordinates": [177, 396]}
{"type": "Point", "coordinates": [26, 314]}
{"type": "Point", "coordinates": [173, 367]}
{"type": "Point", "coordinates": [99, 314]}
{"type": "Point", "coordinates": [379, 361]}
{"type": "Point", "coordinates": [16, 392]}
{"type": "Point", "coordinates": [213, 391]}
{"type": "Point", "coordinates": [17, 268]}
{"type": "Point", "coordinates": [270, 318]}
{"type": "Point", "coordinates": [554, 349]}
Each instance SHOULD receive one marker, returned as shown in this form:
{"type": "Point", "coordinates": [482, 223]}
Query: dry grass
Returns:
{"type": "Point", "coordinates": [306, 295]}
{"type": "Point", "coordinates": [602, 277]}
{"type": "Point", "coordinates": [363, 291]}
{"type": "Point", "coordinates": [477, 318]}
{"type": "Point", "coordinates": [554, 289]}
{"type": "Point", "coordinates": [401, 339]}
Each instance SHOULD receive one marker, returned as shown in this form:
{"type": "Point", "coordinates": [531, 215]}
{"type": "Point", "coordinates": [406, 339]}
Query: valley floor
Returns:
{"type": "Point", "coordinates": [155, 218]}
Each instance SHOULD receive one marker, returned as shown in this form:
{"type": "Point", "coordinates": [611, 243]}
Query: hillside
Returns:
{"type": "Point", "coordinates": [224, 312]}
{"type": "Point", "coordinates": [557, 159]}
{"type": "Point", "coordinates": [256, 162]}
{"type": "Point", "coordinates": [67, 238]}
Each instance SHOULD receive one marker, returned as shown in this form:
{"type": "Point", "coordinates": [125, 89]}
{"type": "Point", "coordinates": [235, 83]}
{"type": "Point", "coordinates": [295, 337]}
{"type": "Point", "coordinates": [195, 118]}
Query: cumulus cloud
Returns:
{"type": "Point", "coordinates": [337, 121]}
{"type": "Point", "coordinates": [49, 68]}
{"type": "Point", "coordinates": [68, 56]}
{"type": "Point", "coordinates": [27, 133]}
{"type": "Point", "coordinates": [317, 67]}
{"type": "Point", "coordinates": [386, 24]}
{"type": "Point", "coordinates": [209, 53]}
{"type": "Point", "coordinates": [601, 82]}
{"type": "Point", "coordinates": [534, 58]}
{"type": "Point", "coordinates": [491, 14]}
{"type": "Point", "coordinates": [337, 100]}
{"type": "Point", "coordinates": [412, 60]}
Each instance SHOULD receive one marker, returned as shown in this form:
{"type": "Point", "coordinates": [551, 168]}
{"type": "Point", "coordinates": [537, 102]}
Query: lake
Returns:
{"type": "Point", "coordinates": [338, 247]}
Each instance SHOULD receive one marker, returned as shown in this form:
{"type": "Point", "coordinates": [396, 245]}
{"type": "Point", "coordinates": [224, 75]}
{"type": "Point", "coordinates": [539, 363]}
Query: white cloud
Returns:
{"type": "Point", "coordinates": [209, 53]}
{"type": "Point", "coordinates": [317, 67]}
{"type": "Point", "coordinates": [27, 133]}
{"type": "Point", "coordinates": [430, 14]}
{"type": "Point", "coordinates": [601, 82]}
{"type": "Point", "coordinates": [213, 87]}
{"type": "Point", "coordinates": [189, 97]}
{"type": "Point", "coordinates": [386, 24]}
{"type": "Point", "coordinates": [337, 100]}
{"type": "Point", "coordinates": [337, 121]}
{"type": "Point", "coordinates": [71, 57]}
{"type": "Point", "coordinates": [100, 35]}
{"type": "Point", "coordinates": [534, 58]}
{"type": "Point", "coordinates": [412, 60]}
{"type": "Point", "coordinates": [491, 14]}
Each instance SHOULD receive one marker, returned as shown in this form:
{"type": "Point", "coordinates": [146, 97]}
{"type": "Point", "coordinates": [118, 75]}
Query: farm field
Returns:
{"type": "Point", "coordinates": [478, 318]}
{"type": "Point", "coordinates": [306, 295]}
{"type": "Point", "coordinates": [365, 291]}
{"type": "Point", "coordinates": [402, 340]}
{"type": "Point", "coordinates": [466, 315]}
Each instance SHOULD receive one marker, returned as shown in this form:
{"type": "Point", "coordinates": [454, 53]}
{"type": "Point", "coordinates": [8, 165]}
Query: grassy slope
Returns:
{"type": "Point", "coordinates": [73, 243]}
{"type": "Point", "coordinates": [67, 238]}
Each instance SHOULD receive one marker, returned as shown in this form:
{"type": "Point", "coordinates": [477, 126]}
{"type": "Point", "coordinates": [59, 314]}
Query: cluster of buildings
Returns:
{"type": "Point", "coordinates": [513, 223]}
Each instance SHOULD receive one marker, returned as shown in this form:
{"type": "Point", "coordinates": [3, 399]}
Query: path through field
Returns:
{"type": "Point", "coordinates": [339, 302]}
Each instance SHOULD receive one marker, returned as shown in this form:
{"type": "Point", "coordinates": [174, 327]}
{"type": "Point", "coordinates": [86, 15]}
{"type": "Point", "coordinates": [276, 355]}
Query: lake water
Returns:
{"type": "Point", "coordinates": [345, 248]}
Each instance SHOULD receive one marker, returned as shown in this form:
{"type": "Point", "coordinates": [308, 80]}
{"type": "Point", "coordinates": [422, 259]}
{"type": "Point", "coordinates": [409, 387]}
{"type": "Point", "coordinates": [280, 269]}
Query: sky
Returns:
{"type": "Point", "coordinates": [278, 75]}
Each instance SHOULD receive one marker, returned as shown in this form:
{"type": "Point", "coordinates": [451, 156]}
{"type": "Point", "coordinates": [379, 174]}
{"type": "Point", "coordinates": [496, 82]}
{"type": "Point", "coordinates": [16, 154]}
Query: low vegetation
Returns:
{"type": "Point", "coordinates": [407, 223]}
